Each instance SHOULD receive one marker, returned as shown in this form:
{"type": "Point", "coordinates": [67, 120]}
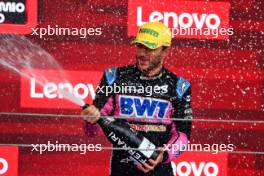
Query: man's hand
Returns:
{"type": "Point", "coordinates": [148, 167]}
{"type": "Point", "coordinates": [91, 114]}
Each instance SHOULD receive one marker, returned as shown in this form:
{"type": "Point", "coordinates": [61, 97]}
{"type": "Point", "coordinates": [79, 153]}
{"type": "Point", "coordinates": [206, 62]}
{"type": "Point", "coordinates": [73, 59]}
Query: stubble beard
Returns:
{"type": "Point", "coordinates": [154, 64]}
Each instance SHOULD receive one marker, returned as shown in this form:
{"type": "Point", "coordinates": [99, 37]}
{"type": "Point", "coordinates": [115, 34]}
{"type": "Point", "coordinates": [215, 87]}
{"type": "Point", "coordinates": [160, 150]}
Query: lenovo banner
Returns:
{"type": "Point", "coordinates": [8, 161]}
{"type": "Point", "coordinates": [18, 16]}
{"type": "Point", "coordinates": [42, 90]}
{"type": "Point", "coordinates": [208, 20]}
{"type": "Point", "coordinates": [200, 164]}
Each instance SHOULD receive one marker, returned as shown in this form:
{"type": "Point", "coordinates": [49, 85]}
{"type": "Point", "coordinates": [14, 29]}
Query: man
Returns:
{"type": "Point", "coordinates": [170, 97]}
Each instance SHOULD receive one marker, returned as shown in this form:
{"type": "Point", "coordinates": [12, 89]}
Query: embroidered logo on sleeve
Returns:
{"type": "Point", "coordinates": [182, 87]}
{"type": "Point", "coordinates": [111, 75]}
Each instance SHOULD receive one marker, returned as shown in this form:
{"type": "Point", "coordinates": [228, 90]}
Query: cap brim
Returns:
{"type": "Point", "coordinates": [146, 43]}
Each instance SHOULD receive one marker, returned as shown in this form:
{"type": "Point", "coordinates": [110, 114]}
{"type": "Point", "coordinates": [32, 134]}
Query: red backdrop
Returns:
{"type": "Point", "coordinates": [227, 79]}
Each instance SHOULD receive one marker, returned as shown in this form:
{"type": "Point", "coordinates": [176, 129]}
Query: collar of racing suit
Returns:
{"type": "Point", "coordinates": [159, 75]}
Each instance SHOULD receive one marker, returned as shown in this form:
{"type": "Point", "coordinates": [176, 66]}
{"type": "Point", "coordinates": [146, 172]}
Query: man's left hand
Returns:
{"type": "Point", "coordinates": [149, 167]}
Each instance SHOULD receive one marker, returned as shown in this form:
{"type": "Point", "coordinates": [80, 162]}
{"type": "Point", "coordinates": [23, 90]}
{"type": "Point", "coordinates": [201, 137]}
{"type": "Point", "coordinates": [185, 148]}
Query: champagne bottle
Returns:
{"type": "Point", "coordinates": [121, 135]}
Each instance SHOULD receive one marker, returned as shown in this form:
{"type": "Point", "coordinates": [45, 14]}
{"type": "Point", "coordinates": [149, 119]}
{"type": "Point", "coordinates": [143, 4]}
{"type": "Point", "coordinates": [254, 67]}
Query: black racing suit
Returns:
{"type": "Point", "coordinates": [151, 103]}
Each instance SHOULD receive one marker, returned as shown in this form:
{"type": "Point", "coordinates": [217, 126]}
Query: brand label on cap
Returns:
{"type": "Point", "coordinates": [209, 20]}
{"type": "Point", "coordinates": [150, 32]}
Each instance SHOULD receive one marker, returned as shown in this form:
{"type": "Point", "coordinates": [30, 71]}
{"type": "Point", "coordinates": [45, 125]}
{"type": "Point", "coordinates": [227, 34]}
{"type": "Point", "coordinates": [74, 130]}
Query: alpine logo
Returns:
{"type": "Point", "coordinates": [208, 20]}
{"type": "Point", "coordinates": [18, 17]}
{"type": "Point", "coordinates": [143, 107]}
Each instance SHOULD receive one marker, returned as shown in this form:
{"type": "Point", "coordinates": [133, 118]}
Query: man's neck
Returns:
{"type": "Point", "coordinates": [155, 73]}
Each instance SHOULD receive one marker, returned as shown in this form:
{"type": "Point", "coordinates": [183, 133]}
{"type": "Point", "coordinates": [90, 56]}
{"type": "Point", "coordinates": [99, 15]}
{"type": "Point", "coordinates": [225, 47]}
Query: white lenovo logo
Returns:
{"type": "Point", "coordinates": [183, 20]}
{"type": "Point", "coordinates": [51, 90]}
{"type": "Point", "coordinates": [4, 164]}
{"type": "Point", "coordinates": [190, 168]}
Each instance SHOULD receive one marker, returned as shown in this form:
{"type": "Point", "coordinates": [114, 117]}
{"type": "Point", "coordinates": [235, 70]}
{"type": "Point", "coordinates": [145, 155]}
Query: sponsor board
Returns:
{"type": "Point", "coordinates": [36, 94]}
{"type": "Point", "coordinates": [18, 17]}
{"type": "Point", "coordinates": [8, 161]}
{"type": "Point", "coordinates": [200, 164]}
{"type": "Point", "coordinates": [208, 20]}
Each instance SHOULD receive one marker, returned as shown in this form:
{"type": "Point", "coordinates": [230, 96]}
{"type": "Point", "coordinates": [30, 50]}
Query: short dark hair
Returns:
{"type": "Point", "coordinates": [164, 47]}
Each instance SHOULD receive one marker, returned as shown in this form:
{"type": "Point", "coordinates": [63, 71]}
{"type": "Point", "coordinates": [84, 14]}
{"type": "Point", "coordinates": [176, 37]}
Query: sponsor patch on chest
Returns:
{"type": "Point", "coordinates": [147, 128]}
{"type": "Point", "coordinates": [143, 107]}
